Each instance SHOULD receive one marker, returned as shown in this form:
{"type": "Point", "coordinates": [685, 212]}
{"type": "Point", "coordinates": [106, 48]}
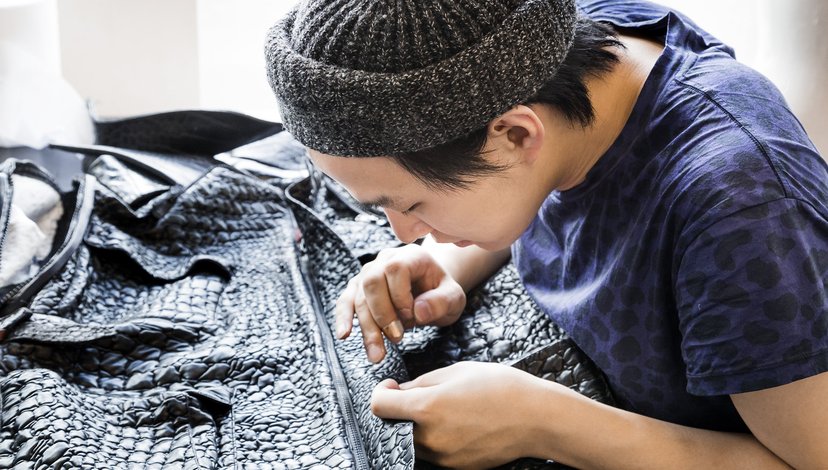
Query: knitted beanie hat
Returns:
{"type": "Point", "coordinates": [384, 77]}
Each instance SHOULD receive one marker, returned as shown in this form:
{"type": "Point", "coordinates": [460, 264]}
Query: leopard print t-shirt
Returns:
{"type": "Point", "coordinates": [692, 263]}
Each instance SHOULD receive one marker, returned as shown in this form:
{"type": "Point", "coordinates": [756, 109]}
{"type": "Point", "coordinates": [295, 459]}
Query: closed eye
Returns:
{"type": "Point", "coordinates": [408, 211]}
{"type": "Point", "coordinates": [369, 208]}
{"type": "Point", "coordinates": [378, 207]}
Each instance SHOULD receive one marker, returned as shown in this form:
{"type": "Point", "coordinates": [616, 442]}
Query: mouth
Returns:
{"type": "Point", "coordinates": [463, 243]}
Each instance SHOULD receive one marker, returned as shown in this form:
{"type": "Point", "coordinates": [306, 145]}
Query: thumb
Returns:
{"type": "Point", "coordinates": [440, 306]}
{"type": "Point", "coordinates": [388, 401]}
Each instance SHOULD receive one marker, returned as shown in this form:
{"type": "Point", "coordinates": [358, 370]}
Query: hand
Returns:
{"type": "Point", "coordinates": [468, 415]}
{"type": "Point", "coordinates": [401, 288]}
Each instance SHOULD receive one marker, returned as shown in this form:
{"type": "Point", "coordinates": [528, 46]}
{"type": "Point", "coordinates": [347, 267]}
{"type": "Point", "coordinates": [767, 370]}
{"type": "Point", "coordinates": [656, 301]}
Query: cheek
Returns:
{"type": "Point", "coordinates": [489, 216]}
{"type": "Point", "coordinates": [450, 219]}
{"type": "Point", "coordinates": [508, 222]}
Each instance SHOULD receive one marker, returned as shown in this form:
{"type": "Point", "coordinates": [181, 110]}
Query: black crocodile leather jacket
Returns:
{"type": "Point", "coordinates": [184, 321]}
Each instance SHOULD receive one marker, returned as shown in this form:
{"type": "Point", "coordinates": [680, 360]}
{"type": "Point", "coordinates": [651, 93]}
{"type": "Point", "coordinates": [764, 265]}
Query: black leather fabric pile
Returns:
{"type": "Point", "coordinates": [185, 322]}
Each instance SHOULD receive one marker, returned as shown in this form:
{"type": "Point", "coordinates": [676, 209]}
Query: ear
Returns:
{"type": "Point", "coordinates": [518, 129]}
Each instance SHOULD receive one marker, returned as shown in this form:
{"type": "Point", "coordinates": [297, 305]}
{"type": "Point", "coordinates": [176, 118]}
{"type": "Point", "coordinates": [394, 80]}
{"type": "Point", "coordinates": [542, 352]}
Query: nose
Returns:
{"type": "Point", "coordinates": [406, 227]}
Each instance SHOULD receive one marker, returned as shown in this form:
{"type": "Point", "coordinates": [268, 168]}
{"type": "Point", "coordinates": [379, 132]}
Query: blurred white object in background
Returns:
{"type": "Point", "coordinates": [33, 26]}
{"type": "Point", "coordinates": [231, 40]}
{"type": "Point", "coordinates": [35, 211]}
{"type": "Point", "coordinates": [36, 105]}
{"type": "Point", "coordinates": [137, 57]}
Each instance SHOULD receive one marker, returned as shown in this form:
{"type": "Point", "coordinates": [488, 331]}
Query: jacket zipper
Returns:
{"type": "Point", "coordinates": [343, 396]}
{"type": "Point", "coordinates": [15, 298]}
{"type": "Point", "coordinates": [6, 199]}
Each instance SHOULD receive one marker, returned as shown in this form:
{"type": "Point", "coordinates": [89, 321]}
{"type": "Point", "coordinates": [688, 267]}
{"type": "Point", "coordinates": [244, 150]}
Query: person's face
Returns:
{"type": "Point", "coordinates": [488, 213]}
{"type": "Point", "coordinates": [494, 210]}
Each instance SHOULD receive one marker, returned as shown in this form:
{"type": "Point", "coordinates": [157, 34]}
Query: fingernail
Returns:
{"type": "Point", "coordinates": [340, 330]}
{"type": "Point", "coordinates": [422, 312]}
{"type": "Point", "coordinates": [374, 353]}
{"type": "Point", "coordinates": [394, 330]}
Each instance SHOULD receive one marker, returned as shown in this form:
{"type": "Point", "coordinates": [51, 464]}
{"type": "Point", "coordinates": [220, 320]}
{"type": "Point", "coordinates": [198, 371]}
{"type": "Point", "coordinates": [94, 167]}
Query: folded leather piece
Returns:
{"type": "Point", "coordinates": [133, 187]}
{"type": "Point", "coordinates": [68, 235]}
{"type": "Point", "coordinates": [180, 170]}
{"type": "Point", "coordinates": [187, 324]}
{"type": "Point", "coordinates": [191, 132]}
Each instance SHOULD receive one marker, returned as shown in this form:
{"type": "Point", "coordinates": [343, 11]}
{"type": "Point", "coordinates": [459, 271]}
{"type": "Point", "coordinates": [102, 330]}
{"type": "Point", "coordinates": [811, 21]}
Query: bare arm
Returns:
{"type": "Point", "coordinates": [479, 415]}
{"type": "Point", "coordinates": [789, 425]}
{"type": "Point", "coordinates": [587, 434]}
{"type": "Point", "coordinates": [791, 420]}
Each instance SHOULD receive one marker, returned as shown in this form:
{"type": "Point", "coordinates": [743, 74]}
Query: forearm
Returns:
{"type": "Point", "coordinates": [583, 433]}
{"type": "Point", "coordinates": [468, 266]}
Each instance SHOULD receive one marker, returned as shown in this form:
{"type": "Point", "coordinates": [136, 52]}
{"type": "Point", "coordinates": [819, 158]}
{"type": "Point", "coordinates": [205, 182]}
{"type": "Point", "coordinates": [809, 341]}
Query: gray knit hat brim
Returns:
{"type": "Point", "coordinates": [347, 112]}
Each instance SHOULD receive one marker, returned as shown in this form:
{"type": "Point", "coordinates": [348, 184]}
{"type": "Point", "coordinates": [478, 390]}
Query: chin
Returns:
{"type": "Point", "coordinates": [500, 244]}
{"type": "Point", "coordinates": [493, 246]}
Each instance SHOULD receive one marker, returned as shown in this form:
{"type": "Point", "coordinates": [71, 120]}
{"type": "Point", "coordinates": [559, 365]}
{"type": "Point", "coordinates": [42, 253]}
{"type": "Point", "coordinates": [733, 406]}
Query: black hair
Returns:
{"type": "Point", "coordinates": [456, 164]}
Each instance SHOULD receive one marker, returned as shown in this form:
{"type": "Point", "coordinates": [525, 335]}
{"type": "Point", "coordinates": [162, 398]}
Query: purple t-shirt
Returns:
{"type": "Point", "coordinates": [692, 262]}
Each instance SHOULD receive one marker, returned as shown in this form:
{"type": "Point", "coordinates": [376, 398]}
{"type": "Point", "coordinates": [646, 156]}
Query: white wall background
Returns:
{"type": "Point", "coordinates": [32, 25]}
{"type": "Point", "coordinates": [231, 37]}
{"type": "Point", "coordinates": [134, 57]}
{"type": "Point", "coordinates": [130, 57]}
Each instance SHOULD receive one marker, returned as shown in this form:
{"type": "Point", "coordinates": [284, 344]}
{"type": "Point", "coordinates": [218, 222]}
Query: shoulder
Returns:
{"type": "Point", "coordinates": [652, 19]}
{"type": "Point", "coordinates": [630, 11]}
{"type": "Point", "coordinates": [735, 144]}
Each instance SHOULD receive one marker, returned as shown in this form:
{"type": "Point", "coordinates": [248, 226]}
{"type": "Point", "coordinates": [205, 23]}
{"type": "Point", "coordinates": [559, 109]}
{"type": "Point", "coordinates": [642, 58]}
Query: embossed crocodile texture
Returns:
{"type": "Point", "coordinates": [364, 233]}
{"type": "Point", "coordinates": [209, 353]}
{"type": "Point", "coordinates": [329, 279]}
{"type": "Point", "coordinates": [181, 335]}
{"type": "Point", "coordinates": [501, 323]}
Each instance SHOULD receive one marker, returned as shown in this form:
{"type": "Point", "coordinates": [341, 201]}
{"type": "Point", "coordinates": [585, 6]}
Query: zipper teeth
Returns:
{"type": "Point", "coordinates": [6, 189]}
{"type": "Point", "coordinates": [353, 434]}
{"type": "Point", "coordinates": [340, 385]}
{"type": "Point", "coordinates": [10, 294]}
{"type": "Point", "coordinates": [78, 223]}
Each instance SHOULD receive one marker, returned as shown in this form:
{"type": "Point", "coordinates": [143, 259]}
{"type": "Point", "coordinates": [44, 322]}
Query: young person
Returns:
{"type": "Point", "coordinates": [658, 198]}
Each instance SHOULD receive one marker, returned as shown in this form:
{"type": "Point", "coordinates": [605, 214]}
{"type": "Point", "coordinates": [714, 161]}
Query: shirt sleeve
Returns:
{"type": "Point", "coordinates": [752, 297]}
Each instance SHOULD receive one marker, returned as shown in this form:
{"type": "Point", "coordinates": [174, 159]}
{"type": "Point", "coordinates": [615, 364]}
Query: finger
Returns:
{"type": "Point", "coordinates": [388, 401]}
{"type": "Point", "coordinates": [430, 379]}
{"type": "Point", "coordinates": [418, 273]}
{"type": "Point", "coordinates": [389, 383]}
{"type": "Point", "coordinates": [371, 334]}
{"type": "Point", "coordinates": [378, 298]}
{"type": "Point", "coordinates": [344, 310]}
{"type": "Point", "coordinates": [440, 306]}
{"type": "Point", "coordinates": [398, 279]}
{"type": "Point", "coordinates": [385, 253]}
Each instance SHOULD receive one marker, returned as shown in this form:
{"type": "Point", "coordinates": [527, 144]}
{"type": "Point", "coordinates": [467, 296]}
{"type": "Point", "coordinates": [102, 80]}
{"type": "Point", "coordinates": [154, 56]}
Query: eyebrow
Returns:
{"type": "Point", "coordinates": [382, 201]}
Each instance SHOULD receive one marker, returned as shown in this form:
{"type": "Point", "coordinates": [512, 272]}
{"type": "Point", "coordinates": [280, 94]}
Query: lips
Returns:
{"type": "Point", "coordinates": [463, 243]}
